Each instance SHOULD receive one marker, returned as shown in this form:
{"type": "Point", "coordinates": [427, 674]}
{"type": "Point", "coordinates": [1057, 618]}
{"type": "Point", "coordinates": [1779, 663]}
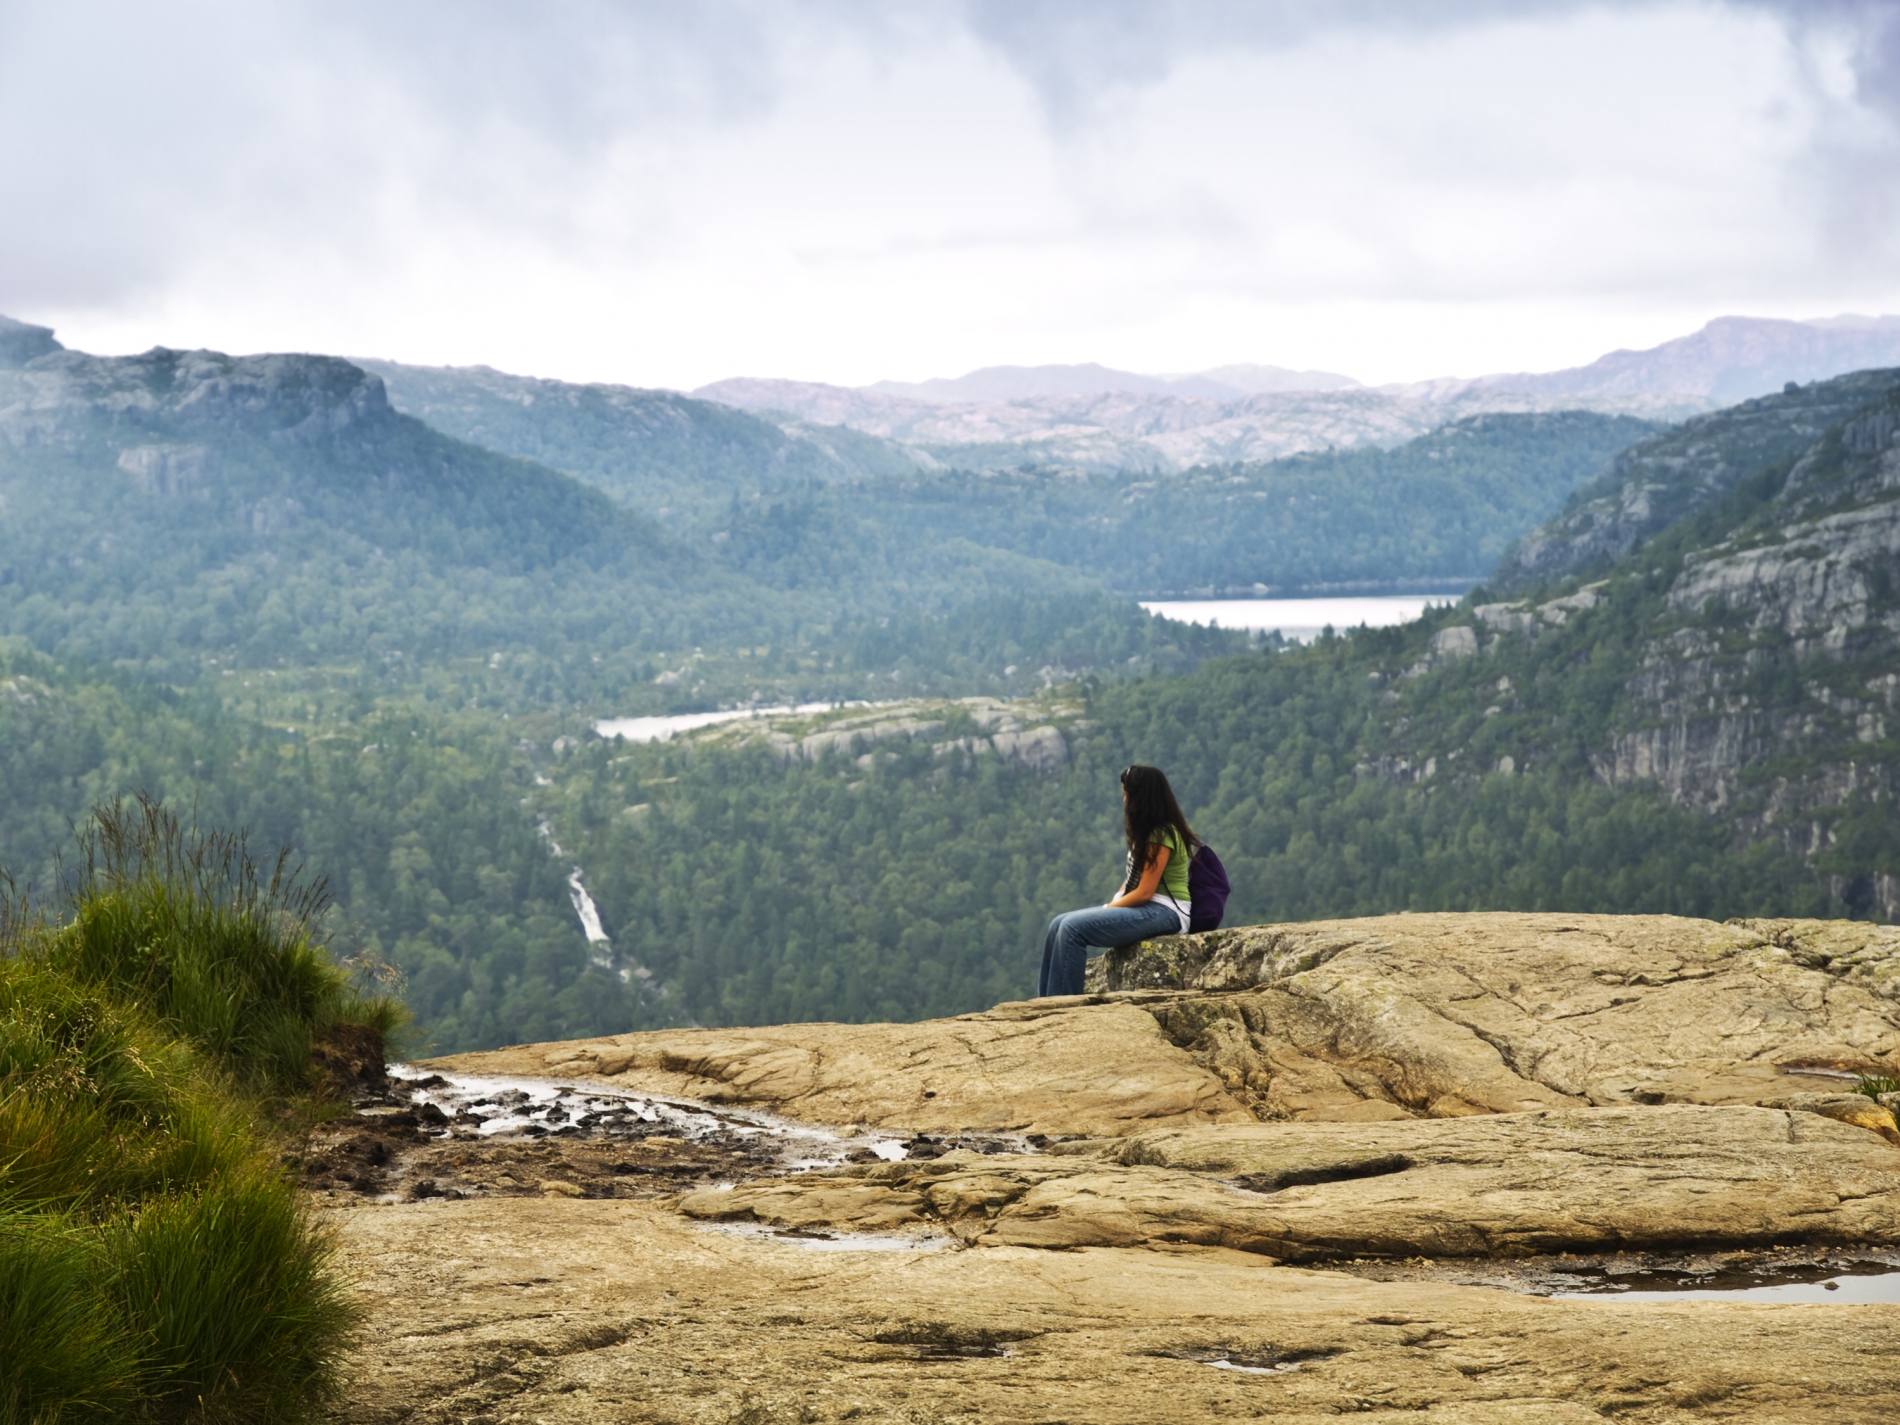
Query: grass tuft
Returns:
{"type": "Point", "coordinates": [156, 1263]}
{"type": "Point", "coordinates": [220, 947]}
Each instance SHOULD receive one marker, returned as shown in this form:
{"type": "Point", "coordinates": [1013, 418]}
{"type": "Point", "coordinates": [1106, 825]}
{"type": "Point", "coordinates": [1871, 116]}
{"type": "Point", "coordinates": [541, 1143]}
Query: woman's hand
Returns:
{"type": "Point", "coordinates": [1144, 890]}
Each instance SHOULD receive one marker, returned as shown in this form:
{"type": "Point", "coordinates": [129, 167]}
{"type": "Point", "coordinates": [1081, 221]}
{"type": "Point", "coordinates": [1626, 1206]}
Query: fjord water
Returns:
{"type": "Point", "coordinates": [1299, 619]}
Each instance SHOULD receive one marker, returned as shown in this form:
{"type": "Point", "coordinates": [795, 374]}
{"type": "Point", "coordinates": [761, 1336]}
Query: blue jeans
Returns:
{"type": "Point", "coordinates": [1065, 950]}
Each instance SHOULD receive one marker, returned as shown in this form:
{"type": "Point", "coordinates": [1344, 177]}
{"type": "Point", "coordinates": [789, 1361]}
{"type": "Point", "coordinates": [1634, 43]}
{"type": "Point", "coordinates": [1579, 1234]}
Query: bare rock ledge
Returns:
{"type": "Point", "coordinates": [1224, 1113]}
{"type": "Point", "coordinates": [1356, 1020]}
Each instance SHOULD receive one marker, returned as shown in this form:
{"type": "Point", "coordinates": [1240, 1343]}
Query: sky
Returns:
{"type": "Point", "coordinates": [667, 194]}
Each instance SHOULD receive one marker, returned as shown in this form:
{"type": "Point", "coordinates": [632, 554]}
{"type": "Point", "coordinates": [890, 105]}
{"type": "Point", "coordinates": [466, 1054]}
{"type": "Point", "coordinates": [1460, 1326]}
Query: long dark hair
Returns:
{"type": "Point", "coordinates": [1150, 805]}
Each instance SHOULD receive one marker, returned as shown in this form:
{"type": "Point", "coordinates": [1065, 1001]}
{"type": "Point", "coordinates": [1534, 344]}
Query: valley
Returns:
{"type": "Point", "coordinates": [310, 614]}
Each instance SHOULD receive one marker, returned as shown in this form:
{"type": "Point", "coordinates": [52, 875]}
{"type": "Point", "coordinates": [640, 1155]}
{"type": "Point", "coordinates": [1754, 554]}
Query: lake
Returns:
{"type": "Point", "coordinates": [659, 729]}
{"type": "Point", "coordinates": [1300, 619]}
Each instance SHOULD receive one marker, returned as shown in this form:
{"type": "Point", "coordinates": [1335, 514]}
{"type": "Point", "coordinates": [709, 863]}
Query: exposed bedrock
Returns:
{"type": "Point", "coordinates": [1448, 1014]}
{"type": "Point", "coordinates": [1584, 1180]}
{"type": "Point", "coordinates": [598, 1313]}
{"type": "Point", "coordinates": [1387, 1018]}
{"type": "Point", "coordinates": [1224, 1109]}
{"type": "Point", "coordinates": [1050, 1066]}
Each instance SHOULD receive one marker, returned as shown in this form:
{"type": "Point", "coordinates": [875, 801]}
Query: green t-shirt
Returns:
{"type": "Point", "coordinates": [1174, 880]}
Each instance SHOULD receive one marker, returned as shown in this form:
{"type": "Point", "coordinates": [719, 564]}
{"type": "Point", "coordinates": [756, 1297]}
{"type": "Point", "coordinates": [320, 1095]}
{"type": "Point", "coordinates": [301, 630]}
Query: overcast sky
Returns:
{"type": "Point", "coordinates": [666, 194]}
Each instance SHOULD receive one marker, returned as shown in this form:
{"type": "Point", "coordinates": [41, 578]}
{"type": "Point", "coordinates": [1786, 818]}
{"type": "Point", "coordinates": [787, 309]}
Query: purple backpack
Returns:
{"type": "Point", "coordinates": [1207, 890]}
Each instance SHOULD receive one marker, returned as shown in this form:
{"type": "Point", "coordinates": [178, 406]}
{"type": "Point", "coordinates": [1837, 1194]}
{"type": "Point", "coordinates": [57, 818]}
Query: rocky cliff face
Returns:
{"type": "Point", "coordinates": [1750, 608]}
{"type": "Point", "coordinates": [61, 396]}
{"type": "Point", "coordinates": [21, 342]}
{"type": "Point", "coordinates": [1650, 486]}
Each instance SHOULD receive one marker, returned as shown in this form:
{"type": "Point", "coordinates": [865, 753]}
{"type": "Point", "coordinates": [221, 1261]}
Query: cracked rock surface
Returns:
{"type": "Point", "coordinates": [581, 1311]}
{"type": "Point", "coordinates": [1132, 1193]}
{"type": "Point", "coordinates": [1574, 1180]}
{"type": "Point", "coordinates": [1494, 1013]}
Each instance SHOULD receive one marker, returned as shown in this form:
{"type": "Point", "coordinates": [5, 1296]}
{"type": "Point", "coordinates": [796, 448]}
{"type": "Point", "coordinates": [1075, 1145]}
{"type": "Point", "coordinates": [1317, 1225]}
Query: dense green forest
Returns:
{"type": "Point", "coordinates": [919, 884]}
{"type": "Point", "coordinates": [253, 589]}
{"type": "Point", "coordinates": [1437, 510]}
{"type": "Point", "coordinates": [758, 890]}
{"type": "Point", "coordinates": [832, 508]}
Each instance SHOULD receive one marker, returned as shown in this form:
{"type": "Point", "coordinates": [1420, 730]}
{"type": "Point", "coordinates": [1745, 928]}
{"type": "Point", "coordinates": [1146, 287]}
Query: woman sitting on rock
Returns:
{"type": "Point", "coordinates": [1154, 896]}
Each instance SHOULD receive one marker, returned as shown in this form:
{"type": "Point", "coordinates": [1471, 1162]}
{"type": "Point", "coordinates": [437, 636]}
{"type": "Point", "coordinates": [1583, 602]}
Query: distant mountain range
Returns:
{"type": "Point", "coordinates": [1729, 360]}
{"type": "Point", "coordinates": [1017, 383]}
{"type": "Point", "coordinates": [1094, 418]}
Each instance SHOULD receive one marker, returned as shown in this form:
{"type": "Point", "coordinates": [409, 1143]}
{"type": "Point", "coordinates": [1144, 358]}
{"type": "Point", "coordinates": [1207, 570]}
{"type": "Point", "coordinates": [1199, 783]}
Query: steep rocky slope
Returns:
{"type": "Point", "coordinates": [1650, 486]}
{"type": "Point", "coordinates": [1719, 616]}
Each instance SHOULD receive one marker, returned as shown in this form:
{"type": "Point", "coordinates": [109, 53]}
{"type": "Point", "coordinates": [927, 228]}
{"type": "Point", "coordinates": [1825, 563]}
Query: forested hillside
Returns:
{"type": "Point", "coordinates": [251, 587]}
{"type": "Point", "coordinates": [828, 507]}
{"type": "Point", "coordinates": [1653, 484]}
{"type": "Point", "coordinates": [1437, 510]}
{"type": "Point", "coordinates": [678, 460]}
{"type": "Point", "coordinates": [189, 513]}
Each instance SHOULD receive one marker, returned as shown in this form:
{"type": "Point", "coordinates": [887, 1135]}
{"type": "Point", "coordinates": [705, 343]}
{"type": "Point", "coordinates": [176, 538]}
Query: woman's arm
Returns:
{"type": "Point", "coordinates": [1144, 890]}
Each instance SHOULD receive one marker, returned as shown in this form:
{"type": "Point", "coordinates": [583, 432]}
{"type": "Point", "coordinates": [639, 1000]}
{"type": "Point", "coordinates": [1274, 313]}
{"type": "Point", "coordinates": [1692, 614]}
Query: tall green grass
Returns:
{"type": "Point", "coordinates": [221, 948]}
{"type": "Point", "coordinates": [155, 1261]}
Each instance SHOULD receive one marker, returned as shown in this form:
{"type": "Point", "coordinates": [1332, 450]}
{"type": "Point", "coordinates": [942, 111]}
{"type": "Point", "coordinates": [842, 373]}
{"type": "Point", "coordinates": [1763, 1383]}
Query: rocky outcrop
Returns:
{"type": "Point", "coordinates": [21, 342]}
{"type": "Point", "coordinates": [1579, 1180]}
{"type": "Point", "coordinates": [1396, 1017]}
{"type": "Point", "coordinates": [1388, 1097]}
{"type": "Point", "coordinates": [1450, 1014]}
{"type": "Point", "coordinates": [1653, 484]}
{"type": "Point", "coordinates": [287, 397]}
{"type": "Point", "coordinates": [1047, 1066]}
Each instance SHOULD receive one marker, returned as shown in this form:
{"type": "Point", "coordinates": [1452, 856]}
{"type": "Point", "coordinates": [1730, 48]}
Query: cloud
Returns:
{"type": "Point", "coordinates": [1077, 53]}
{"type": "Point", "coordinates": [675, 193]}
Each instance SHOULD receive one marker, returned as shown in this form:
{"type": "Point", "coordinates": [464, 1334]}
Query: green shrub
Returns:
{"type": "Point", "coordinates": [155, 1261]}
{"type": "Point", "coordinates": [68, 1353]}
{"type": "Point", "coordinates": [1874, 1085]}
{"type": "Point", "coordinates": [230, 1293]}
{"type": "Point", "coordinates": [150, 1249]}
{"type": "Point", "coordinates": [225, 952]}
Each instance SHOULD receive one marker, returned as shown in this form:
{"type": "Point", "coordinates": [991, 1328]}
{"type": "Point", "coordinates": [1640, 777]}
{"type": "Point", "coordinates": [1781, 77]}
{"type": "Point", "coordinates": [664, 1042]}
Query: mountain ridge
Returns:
{"type": "Point", "coordinates": [1090, 417]}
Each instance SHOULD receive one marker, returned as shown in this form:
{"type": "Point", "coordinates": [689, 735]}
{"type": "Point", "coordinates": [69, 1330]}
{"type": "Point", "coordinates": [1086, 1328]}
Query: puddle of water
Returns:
{"type": "Point", "coordinates": [828, 1241]}
{"type": "Point", "coordinates": [497, 1107]}
{"type": "Point", "coordinates": [1857, 1289]}
{"type": "Point", "coordinates": [494, 1107]}
{"type": "Point", "coordinates": [1299, 618]}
